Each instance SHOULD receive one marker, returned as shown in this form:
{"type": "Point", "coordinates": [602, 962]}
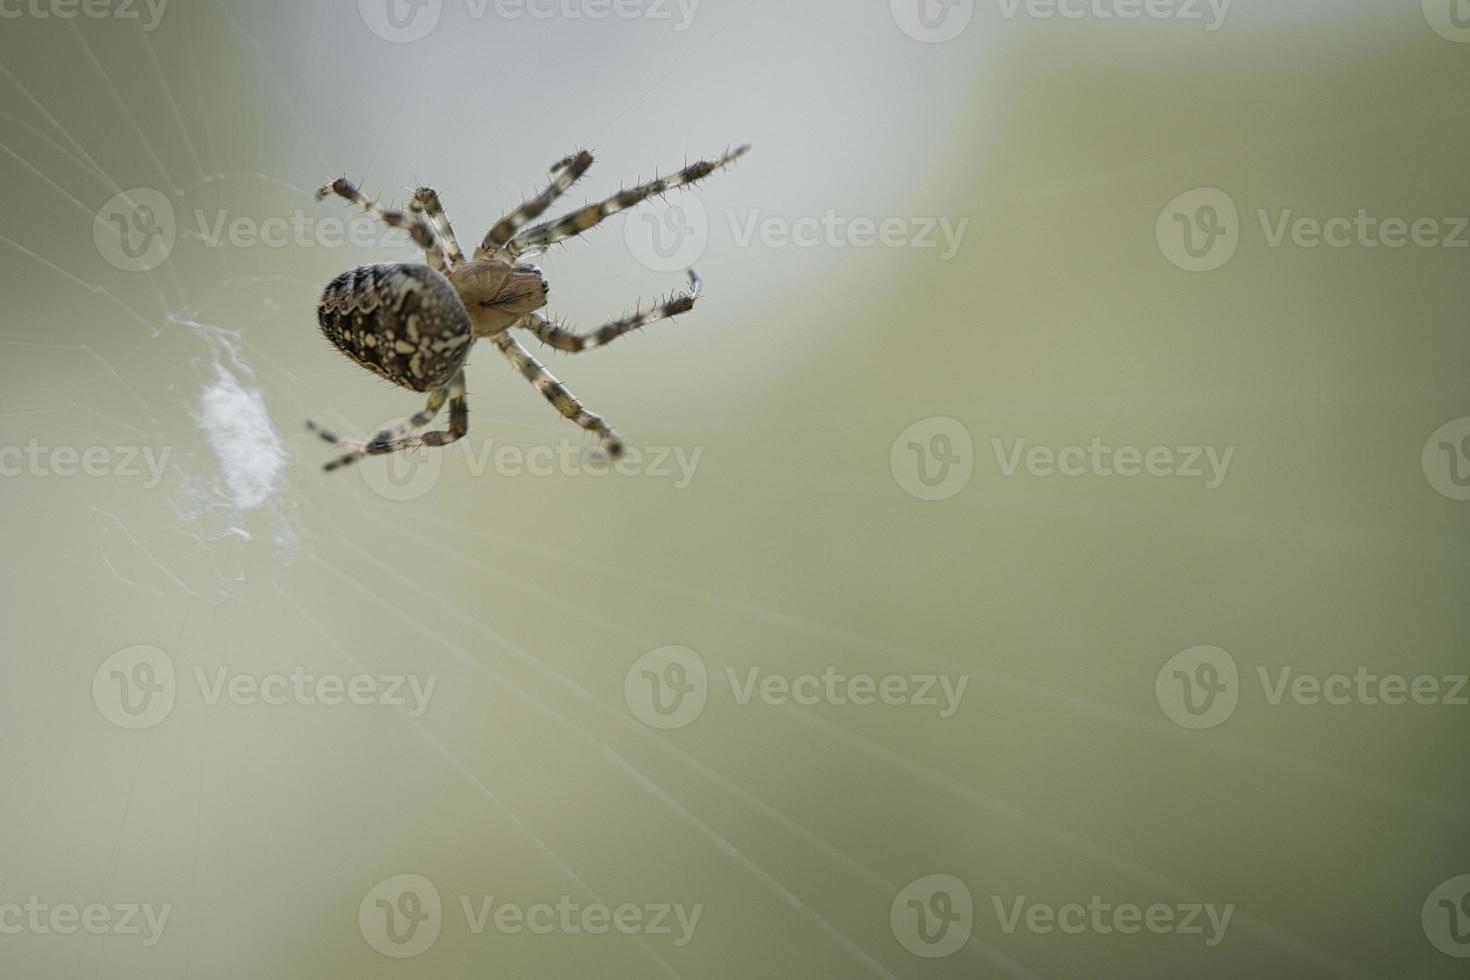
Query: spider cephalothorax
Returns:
{"type": "Point", "coordinates": [414, 324]}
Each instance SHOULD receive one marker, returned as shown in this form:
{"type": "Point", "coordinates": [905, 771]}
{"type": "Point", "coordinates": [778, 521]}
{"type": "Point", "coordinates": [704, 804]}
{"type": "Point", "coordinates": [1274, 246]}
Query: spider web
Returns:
{"type": "Point", "coordinates": [226, 523]}
{"type": "Point", "coordinates": [186, 360]}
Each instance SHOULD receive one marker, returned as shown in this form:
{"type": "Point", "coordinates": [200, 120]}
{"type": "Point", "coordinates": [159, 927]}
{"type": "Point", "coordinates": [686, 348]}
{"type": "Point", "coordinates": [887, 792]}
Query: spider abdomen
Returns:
{"type": "Point", "coordinates": [401, 321]}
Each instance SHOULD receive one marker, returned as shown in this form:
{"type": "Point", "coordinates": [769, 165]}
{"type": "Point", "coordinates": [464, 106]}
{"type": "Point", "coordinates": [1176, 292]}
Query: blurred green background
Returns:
{"type": "Point", "coordinates": [831, 380]}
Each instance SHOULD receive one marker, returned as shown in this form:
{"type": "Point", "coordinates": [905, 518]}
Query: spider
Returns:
{"type": "Point", "coordinates": [415, 324]}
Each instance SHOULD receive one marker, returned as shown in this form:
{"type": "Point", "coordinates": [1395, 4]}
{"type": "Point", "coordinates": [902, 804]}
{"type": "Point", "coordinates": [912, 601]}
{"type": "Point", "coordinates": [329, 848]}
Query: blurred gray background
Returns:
{"type": "Point", "coordinates": [984, 260]}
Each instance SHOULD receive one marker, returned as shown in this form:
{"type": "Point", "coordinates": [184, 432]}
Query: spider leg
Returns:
{"type": "Point", "coordinates": [555, 335]}
{"type": "Point", "coordinates": [399, 437]}
{"type": "Point", "coordinates": [556, 393]}
{"type": "Point", "coordinates": [416, 421]}
{"type": "Point", "coordinates": [413, 222]}
{"type": "Point", "coordinates": [540, 236]}
{"type": "Point", "coordinates": [437, 261]}
{"type": "Point", "coordinates": [567, 171]}
{"type": "Point", "coordinates": [426, 200]}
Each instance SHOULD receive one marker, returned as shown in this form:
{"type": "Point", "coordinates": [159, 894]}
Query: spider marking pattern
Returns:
{"type": "Point", "coordinates": [415, 324]}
